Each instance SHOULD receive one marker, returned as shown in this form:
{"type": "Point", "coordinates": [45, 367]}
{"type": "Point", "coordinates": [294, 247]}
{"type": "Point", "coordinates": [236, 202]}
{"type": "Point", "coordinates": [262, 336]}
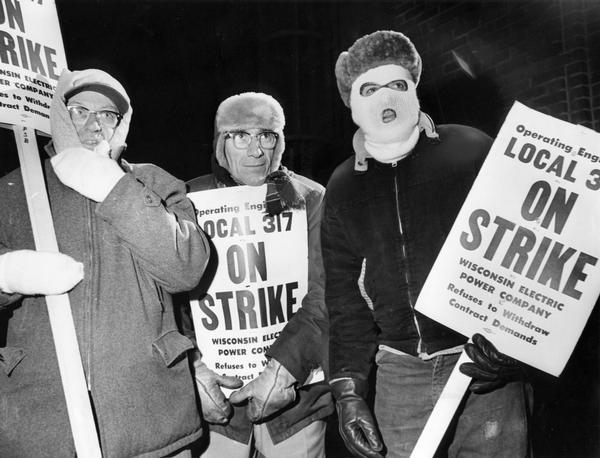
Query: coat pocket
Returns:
{"type": "Point", "coordinates": [10, 357]}
{"type": "Point", "coordinates": [172, 347]}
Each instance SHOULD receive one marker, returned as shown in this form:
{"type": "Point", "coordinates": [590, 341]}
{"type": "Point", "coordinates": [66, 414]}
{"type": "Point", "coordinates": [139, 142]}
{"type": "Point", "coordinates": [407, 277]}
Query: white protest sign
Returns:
{"type": "Point", "coordinates": [260, 280]}
{"type": "Point", "coordinates": [520, 264]}
{"type": "Point", "coordinates": [31, 59]}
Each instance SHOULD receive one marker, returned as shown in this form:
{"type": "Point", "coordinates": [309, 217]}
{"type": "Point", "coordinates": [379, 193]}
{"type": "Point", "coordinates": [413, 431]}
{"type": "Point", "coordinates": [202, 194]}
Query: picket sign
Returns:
{"type": "Point", "coordinates": [532, 305]}
{"type": "Point", "coordinates": [59, 308]}
{"type": "Point", "coordinates": [262, 267]}
{"type": "Point", "coordinates": [443, 411]}
{"type": "Point", "coordinates": [28, 82]}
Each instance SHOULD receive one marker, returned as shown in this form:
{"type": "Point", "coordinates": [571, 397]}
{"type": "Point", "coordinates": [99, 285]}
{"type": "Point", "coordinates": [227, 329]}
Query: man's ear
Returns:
{"type": "Point", "coordinates": [220, 152]}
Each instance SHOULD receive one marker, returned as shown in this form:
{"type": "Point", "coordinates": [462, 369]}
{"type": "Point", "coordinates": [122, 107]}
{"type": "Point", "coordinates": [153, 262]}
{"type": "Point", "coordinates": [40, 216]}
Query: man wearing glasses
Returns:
{"type": "Point", "coordinates": [283, 419]}
{"type": "Point", "coordinates": [128, 238]}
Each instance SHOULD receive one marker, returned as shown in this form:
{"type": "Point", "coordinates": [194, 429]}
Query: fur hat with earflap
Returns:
{"type": "Point", "coordinates": [373, 50]}
{"type": "Point", "coordinates": [255, 110]}
{"type": "Point", "coordinates": [246, 111]}
{"type": "Point", "coordinates": [380, 55]}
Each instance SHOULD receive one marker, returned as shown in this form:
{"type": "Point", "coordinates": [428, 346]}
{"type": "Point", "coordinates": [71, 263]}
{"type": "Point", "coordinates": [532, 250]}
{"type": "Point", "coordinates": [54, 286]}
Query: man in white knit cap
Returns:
{"type": "Point", "coordinates": [128, 238]}
{"type": "Point", "coordinates": [282, 417]}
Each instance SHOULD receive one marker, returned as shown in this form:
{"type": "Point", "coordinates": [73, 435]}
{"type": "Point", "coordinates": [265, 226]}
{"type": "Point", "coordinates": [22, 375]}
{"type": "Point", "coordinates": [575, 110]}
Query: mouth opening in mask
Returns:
{"type": "Point", "coordinates": [388, 115]}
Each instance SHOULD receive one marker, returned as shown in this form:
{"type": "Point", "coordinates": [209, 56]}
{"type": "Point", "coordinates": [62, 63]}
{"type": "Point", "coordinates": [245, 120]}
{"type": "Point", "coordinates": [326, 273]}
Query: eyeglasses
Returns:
{"type": "Point", "coordinates": [80, 115]}
{"type": "Point", "coordinates": [242, 139]}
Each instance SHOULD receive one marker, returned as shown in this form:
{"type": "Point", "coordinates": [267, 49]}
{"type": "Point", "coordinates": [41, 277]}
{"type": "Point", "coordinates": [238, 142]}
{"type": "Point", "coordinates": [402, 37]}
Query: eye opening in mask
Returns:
{"type": "Point", "coordinates": [397, 85]}
{"type": "Point", "coordinates": [369, 88]}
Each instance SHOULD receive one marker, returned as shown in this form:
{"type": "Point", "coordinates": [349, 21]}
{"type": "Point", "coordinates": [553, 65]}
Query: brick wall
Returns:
{"type": "Point", "coordinates": [540, 53]}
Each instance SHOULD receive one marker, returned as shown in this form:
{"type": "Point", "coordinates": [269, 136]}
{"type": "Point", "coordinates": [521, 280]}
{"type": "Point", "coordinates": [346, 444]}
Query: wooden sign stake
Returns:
{"type": "Point", "coordinates": [59, 309]}
{"type": "Point", "coordinates": [443, 411]}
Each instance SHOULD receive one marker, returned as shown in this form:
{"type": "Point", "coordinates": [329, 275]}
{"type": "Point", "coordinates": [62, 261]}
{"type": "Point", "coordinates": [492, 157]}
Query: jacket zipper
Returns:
{"type": "Point", "coordinates": [406, 274]}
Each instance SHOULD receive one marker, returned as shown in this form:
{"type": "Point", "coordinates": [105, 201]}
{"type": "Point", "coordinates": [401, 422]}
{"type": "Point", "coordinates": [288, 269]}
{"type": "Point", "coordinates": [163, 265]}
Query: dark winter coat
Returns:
{"type": "Point", "coordinates": [137, 246]}
{"type": "Point", "coordinates": [392, 222]}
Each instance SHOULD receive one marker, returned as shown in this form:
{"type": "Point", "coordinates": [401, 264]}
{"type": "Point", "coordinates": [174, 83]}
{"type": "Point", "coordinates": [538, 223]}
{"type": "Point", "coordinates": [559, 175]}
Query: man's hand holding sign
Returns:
{"type": "Point", "coordinates": [518, 271]}
{"type": "Point", "coordinates": [489, 368]}
{"type": "Point", "coordinates": [273, 390]}
{"type": "Point", "coordinates": [215, 408]}
{"type": "Point", "coordinates": [255, 291]}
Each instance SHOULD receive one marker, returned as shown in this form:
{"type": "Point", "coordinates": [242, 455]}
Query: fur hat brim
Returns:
{"type": "Point", "coordinates": [378, 48]}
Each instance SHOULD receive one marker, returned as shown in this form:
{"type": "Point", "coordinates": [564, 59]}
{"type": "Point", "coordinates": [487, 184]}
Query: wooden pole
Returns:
{"type": "Point", "coordinates": [443, 411]}
{"type": "Point", "coordinates": [59, 309]}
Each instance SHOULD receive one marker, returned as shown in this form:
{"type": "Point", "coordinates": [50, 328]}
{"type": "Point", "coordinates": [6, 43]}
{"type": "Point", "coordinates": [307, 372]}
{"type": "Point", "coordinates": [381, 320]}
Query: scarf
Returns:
{"type": "Point", "coordinates": [281, 193]}
{"type": "Point", "coordinates": [425, 125]}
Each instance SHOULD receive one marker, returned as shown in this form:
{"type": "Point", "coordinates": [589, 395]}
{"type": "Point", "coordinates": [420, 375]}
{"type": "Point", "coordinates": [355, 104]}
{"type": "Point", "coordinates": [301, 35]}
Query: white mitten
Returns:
{"type": "Point", "coordinates": [64, 134]}
{"type": "Point", "coordinates": [38, 272]}
{"type": "Point", "coordinates": [89, 173]}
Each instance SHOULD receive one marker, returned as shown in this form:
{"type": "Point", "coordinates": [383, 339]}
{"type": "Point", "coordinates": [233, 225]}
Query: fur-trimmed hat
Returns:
{"type": "Point", "coordinates": [378, 48]}
{"type": "Point", "coordinates": [246, 111]}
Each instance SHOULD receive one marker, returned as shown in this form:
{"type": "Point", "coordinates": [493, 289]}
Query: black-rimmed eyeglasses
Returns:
{"type": "Point", "coordinates": [242, 139]}
{"type": "Point", "coordinates": [79, 115]}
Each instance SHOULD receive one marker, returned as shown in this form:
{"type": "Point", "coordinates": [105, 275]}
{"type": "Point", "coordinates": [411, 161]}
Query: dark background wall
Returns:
{"type": "Point", "coordinates": [179, 59]}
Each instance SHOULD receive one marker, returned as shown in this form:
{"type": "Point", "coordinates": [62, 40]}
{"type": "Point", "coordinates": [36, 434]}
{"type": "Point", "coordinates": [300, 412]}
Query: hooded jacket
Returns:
{"type": "Point", "coordinates": [138, 246]}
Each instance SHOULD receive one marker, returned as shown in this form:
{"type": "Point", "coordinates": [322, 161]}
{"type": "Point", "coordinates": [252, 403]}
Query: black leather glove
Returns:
{"type": "Point", "coordinates": [490, 369]}
{"type": "Point", "coordinates": [357, 426]}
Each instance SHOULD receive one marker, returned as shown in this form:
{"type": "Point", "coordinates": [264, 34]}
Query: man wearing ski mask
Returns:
{"type": "Point", "coordinates": [128, 238]}
{"type": "Point", "coordinates": [387, 212]}
{"type": "Point", "coordinates": [282, 416]}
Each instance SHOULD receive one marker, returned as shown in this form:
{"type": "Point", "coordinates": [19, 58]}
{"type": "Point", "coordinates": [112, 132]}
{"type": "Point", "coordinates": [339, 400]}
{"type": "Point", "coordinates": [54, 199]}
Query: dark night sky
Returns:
{"type": "Point", "coordinates": [178, 60]}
